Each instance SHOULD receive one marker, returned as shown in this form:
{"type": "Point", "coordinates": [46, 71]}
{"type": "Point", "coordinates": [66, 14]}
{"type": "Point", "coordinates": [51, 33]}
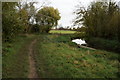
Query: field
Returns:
{"type": "Point", "coordinates": [57, 57]}
{"type": "Point", "coordinates": [62, 32]}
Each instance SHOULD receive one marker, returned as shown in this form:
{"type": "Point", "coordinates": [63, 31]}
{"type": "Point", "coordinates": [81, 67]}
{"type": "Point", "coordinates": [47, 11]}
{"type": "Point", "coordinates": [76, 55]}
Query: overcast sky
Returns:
{"type": "Point", "coordinates": [66, 8]}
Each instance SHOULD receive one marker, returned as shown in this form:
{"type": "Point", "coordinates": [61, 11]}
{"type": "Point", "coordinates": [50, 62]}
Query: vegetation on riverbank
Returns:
{"type": "Point", "coordinates": [55, 58]}
{"type": "Point", "coordinates": [101, 19]}
{"type": "Point", "coordinates": [101, 25]}
{"type": "Point", "coordinates": [104, 44]}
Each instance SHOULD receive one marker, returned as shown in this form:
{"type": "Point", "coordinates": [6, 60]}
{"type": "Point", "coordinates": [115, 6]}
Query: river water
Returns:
{"type": "Point", "coordinates": [79, 41]}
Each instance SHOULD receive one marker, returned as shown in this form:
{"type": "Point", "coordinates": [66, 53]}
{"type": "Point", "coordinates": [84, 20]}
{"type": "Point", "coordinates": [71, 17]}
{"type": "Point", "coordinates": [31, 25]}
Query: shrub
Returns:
{"type": "Point", "coordinates": [79, 35]}
{"type": "Point", "coordinates": [64, 39]}
{"type": "Point", "coordinates": [110, 45]}
{"type": "Point", "coordinates": [35, 28]}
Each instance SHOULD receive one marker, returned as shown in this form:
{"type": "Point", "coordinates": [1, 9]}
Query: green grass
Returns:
{"type": "Point", "coordinates": [15, 58]}
{"type": "Point", "coordinates": [62, 32]}
{"type": "Point", "coordinates": [56, 58]}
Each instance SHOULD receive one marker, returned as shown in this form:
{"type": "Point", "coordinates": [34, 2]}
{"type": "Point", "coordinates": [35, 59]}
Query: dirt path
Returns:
{"type": "Point", "coordinates": [32, 71]}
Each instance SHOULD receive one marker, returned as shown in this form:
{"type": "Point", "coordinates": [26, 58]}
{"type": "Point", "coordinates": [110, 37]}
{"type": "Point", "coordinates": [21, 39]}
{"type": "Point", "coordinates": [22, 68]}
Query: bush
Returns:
{"type": "Point", "coordinates": [63, 39]}
{"type": "Point", "coordinates": [72, 44]}
{"type": "Point", "coordinates": [110, 45]}
{"type": "Point", "coordinates": [35, 28]}
{"type": "Point", "coordinates": [66, 39]}
{"type": "Point", "coordinates": [79, 35]}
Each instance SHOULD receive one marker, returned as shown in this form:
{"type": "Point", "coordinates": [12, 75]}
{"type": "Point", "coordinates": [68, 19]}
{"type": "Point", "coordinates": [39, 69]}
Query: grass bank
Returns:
{"type": "Point", "coordinates": [15, 57]}
{"type": "Point", "coordinates": [57, 57]}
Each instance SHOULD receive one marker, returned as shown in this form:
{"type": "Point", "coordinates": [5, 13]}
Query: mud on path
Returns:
{"type": "Point", "coordinates": [32, 67]}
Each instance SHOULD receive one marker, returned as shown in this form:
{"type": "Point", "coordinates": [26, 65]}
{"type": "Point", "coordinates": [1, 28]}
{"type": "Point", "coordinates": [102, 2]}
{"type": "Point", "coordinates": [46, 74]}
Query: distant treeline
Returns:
{"type": "Point", "coordinates": [68, 28]}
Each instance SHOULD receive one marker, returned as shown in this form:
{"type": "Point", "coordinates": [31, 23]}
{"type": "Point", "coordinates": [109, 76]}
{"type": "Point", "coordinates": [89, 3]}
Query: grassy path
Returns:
{"type": "Point", "coordinates": [15, 57]}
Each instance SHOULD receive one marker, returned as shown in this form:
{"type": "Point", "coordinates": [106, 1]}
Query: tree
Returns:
{"type": "Point", "coordinates": [46, 18]}
{"type": "Point", "coordinates": [27, 12]}
{"type": "Point", "coordinates": [10, 21]}
{"type": "Point", "coordinates": [101, 19]}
